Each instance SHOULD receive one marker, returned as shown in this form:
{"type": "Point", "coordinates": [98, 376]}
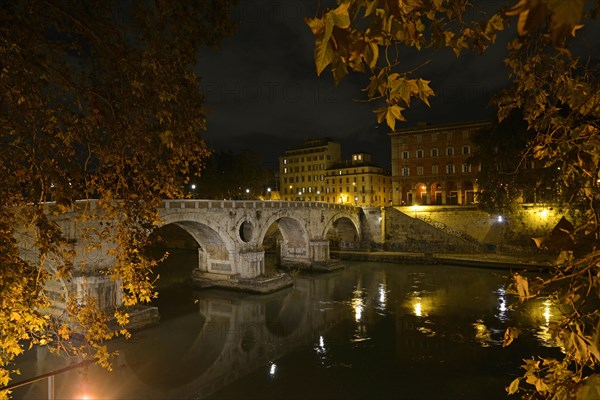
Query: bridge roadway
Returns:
{"type": "Point", "coordinates": [230, 236]}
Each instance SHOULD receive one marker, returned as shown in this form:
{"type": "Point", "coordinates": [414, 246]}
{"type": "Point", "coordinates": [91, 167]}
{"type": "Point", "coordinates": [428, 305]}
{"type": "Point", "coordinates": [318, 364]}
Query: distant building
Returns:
{"type": "Point", "coordinates": [358, 182]}
{"type": "Point", "coordinates": [430, 164]}
{"type": "Point", "coordinates": [315, 172]}
{"type": "Point", "coordinates": [302, 170]}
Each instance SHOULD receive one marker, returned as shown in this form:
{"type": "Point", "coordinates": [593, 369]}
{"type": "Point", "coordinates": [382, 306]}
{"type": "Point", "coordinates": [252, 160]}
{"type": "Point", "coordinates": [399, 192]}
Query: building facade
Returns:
{"type": "Point", "coordinates": [302, 170]}
{"type": "Point", "coordinates": [316, 172]}
{"type": "Point", "coordinates": [358, 182]}
{"type": "Point", "coordinates": [430, 164]}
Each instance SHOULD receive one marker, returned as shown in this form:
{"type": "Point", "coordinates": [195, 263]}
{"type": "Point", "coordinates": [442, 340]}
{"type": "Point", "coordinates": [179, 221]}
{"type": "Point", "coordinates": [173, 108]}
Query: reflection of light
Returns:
{"type": "Point", "coordinates": [502, 299]}
{"type": "Point", "coordinates": [502, 305]}
{"type": "Point", "coordinates": [321, 350]}
{"type": "Point", "coordinates": [382, 295]}
{"type": "Point", "coordinates": [273, 369]}
{"type": "Point", "coordinates": [482, 333]}
{"type": "Point", "coordinates": [547, 314]}
{"type": "Point", "coordinates": [358, 309]}
{"type": "Point", "coordinates": [544, 213]}
{"type": "Point", "coordinates": [418, 311]}
{"type": "Point", "coordinates": [545, 331]}
{"type": "Point", "coordinates": [358, 304]}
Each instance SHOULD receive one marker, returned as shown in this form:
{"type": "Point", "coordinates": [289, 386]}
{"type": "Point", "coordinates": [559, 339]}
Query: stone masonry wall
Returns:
{"type": "Point", "coordinates": [404, 232]}
{"type": "Point", "coordinates": [405, 226]}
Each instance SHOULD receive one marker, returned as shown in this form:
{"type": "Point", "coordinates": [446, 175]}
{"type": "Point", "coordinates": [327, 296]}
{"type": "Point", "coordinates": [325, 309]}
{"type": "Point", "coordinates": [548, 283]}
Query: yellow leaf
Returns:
{"type": "Point", "coordinates": [514, 386]}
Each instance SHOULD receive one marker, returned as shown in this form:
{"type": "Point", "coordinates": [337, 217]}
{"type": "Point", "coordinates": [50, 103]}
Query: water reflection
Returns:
{"type": "Point", "coordinates": [545, 332]}
{"type": "Point", "coordinates": [371, 330]}
{"type": "Point", "coordinates": [502, 304]}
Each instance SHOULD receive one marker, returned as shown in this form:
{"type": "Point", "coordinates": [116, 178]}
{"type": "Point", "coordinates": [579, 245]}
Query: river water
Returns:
{"type": "Point", "coordinates": [371, 330]}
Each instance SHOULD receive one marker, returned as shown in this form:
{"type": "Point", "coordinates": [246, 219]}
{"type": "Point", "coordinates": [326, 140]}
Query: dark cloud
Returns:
{"type": "Point", "coordinates": [263, 93]}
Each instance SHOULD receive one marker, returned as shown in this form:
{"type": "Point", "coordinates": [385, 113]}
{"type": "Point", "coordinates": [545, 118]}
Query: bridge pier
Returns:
{"type": "Point", "coordinates": [250, 263]}
{"type": "Point", "coordinates": [294, 257]}
{"type": "Point", "coordinates": [319, 250]}
{"type": "Point", "coordinates": [317, 258]}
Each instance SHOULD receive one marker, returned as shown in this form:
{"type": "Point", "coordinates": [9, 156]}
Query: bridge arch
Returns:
{"type": "Point", "coordinates": [345, 227]}
{"type": "Point", "coordinates": [215, 248]}
{"type": "Point", "coordinates": [294, 247]}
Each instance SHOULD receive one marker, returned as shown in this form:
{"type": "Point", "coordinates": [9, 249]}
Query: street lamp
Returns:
{"type": "Point", "coordinates": [269, 192]}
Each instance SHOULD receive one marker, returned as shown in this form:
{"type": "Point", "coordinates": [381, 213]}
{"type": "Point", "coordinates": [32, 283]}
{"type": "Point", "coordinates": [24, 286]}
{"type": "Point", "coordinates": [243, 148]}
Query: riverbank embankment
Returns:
{"type": "Point", "coordinates": [483, 260]}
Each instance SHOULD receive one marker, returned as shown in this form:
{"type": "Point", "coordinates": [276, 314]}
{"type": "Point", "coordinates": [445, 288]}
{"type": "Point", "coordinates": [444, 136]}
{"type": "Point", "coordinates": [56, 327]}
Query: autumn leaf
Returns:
{"type": "Point", "coordinates": [522, 286]}
{"type": "Point", "coordinates": [510, 335]}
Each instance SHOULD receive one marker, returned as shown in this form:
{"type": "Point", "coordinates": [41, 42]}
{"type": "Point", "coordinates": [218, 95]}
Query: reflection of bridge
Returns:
{"type": "Point", "coordinates": [230, 236]}
{"type": "Point", "coordinates": [195, 355]}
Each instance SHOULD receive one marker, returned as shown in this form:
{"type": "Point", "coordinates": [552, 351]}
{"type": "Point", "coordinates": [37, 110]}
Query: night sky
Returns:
{"type": "Point", "coordinates": [263, 93]}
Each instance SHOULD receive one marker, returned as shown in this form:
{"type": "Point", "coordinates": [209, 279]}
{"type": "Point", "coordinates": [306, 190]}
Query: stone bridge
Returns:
{"type": "Point", "coordinates": [231, 233]}
{"type": "Point", "coordinates": [230, 237]}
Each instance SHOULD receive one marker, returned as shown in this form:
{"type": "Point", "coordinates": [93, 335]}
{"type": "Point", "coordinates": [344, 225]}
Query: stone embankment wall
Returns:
{"type": "Point", "coordinates": [408, 231]}
{"type": "Point", "coordinates": [464, 229]}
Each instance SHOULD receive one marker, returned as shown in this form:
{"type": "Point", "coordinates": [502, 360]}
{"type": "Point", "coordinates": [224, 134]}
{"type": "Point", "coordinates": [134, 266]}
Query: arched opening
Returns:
{"type": "Point", "coordinates": [177, 356]}
{"type": "Point", "coordinates": [469, 192]}
{"type": "Point", "coordinates": [285, 239]}
{"type": "Point", "coordinates": [189, 246]}
{"type": "Point", "coordinates": [284, 316]}
{"type": "Point", "coordinates": [343, 234]}
{"type": "Point", "coordinates": [451, 193]}
{"type": "Point", "coordinates": [437, 190]}
{"type": "Point", "coordinates": [179, 253]}
{"type": "Point", "coordinates": [421, 191]}
{"type": "Point", "coordinates": [272, 246]}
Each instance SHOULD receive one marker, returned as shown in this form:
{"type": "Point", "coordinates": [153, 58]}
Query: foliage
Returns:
{"type": "Point", "coordinates": [100, 100]}
{"type": "Point", "coordinates": [509, 174]}
{"type": "Point", "coordinates": [228, 175]}
{"type": "Point", "coordinates": [555, 86]}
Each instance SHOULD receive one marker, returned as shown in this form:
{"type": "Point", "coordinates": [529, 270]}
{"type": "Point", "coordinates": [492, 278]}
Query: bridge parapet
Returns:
{"type": "Point", "coordinates": [253, 204]}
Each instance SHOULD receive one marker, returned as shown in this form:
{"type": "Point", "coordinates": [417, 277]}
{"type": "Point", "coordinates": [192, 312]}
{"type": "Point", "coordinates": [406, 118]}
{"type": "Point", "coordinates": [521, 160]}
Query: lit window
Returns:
{"type": "Point", "coordinates": [285, 170]}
